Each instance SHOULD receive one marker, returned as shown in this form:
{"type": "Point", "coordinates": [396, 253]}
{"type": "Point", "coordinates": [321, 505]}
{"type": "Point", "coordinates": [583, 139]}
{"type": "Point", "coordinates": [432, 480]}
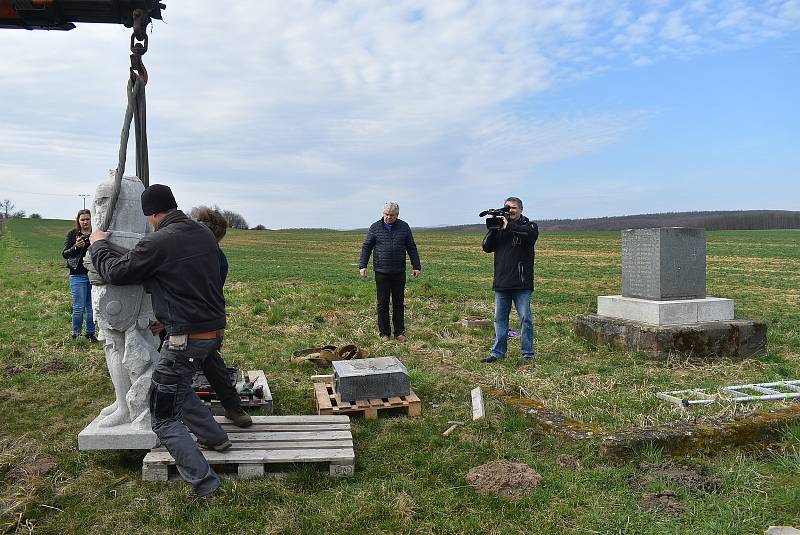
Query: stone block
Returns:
{"type": "Point", "coordinates": [673, 312]}
{"type": "Point", "coordinates": [373, 378]}
{"type": "Point", "coordinates": [735, 339]}
{"type": "Point", "coordinates": [119, 437]}
{"type": "Point", "coordinates": [664, 263]}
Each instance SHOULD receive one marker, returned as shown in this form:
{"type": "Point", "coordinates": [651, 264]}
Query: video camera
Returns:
{"type": "Point", "coordinates": [498, 214]}
{"type": "Point", "coordinates": [82, 237]}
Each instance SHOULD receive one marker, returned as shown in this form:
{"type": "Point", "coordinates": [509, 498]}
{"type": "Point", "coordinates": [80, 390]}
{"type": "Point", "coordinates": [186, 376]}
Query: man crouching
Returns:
{"type": "Point", "coordinates": [178, 265]}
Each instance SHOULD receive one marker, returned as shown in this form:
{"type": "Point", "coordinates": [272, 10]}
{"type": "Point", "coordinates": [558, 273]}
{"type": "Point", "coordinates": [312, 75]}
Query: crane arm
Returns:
{"type": "Point", "coordinates": [62, 14]}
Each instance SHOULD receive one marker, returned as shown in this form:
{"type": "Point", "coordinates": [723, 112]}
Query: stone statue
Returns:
{"type": "Point", "coordinates": [123, 313]}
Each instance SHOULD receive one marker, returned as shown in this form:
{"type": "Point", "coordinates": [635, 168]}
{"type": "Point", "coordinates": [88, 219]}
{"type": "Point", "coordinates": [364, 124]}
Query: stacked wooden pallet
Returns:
{"type": "Point", "coordinates": [272, 445]}
{"type": "Point", "coordinates": [328, 402]}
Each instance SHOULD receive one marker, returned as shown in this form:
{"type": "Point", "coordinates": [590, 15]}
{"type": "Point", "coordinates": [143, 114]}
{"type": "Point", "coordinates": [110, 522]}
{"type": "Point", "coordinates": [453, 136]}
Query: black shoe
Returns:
{"type": "Point", "coordinates": [490, 358]}
{"type": "Point", "coordinates": [238, 417]}
{"type": "Point", "coordinates": [219, 447]}
{"type": "Point", "coordinates": [92, 338]}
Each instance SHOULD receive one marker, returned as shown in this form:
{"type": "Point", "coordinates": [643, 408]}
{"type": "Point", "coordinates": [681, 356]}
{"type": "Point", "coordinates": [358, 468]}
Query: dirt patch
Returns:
{"type": "Point", "coordinates": [504, 478]}
{"type": "Point", "coordinates": [567, 461]}
{"type": "Point", "coordinates": [32, 468]}
{"type": "Point", "coordinates": [13, 369]}
{"type": "Point", "coordinates": [665, 502]}
{"type": "Point", "coordinates": [694, 478]}
{"type": "Point", "coordinates": [56, 365]}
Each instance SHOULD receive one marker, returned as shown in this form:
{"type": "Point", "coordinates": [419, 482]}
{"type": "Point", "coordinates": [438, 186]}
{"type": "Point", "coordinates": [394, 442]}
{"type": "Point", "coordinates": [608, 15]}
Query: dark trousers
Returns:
{"type": "Point", "coordinates": [176, 410]}
{"type": "Point", "coordinates": [215, 370]}
{"type": "Point", "coordinates": [390, 284]}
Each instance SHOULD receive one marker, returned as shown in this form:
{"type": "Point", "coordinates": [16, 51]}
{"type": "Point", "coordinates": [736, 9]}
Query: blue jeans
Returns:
{"type": "Point", "coordinates": [502, 309]}
{"type": "Point", "coordinates": [81, 303]}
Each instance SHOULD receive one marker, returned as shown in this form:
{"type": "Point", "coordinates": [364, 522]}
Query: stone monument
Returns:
{"type": "Point", "coordinates": [664, 308]}
{"type": "Point", "coordinates": [373, 378]}
{"type": "Point", "coordinates": [123, 315]}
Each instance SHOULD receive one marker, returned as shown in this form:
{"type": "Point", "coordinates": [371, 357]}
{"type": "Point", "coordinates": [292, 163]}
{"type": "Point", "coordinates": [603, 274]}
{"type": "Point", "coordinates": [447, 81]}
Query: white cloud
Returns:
{"type": "Point", "coordinates": [342, 100]}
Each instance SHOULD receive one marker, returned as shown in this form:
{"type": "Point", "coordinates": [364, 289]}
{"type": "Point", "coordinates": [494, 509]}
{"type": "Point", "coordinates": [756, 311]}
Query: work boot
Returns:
{"type": "Point", "coordinates": [238, 417]}
{"type": "Point", "coordinates": [401, 338]}
{"type": "Point", "coordinates": [384, 338]}
{"type": "Point", "coordinates": [219, 447]}
{"type": "Point", "coordinates": [92, 338]}
{"type": "Point", "coordinates": [489, 359]}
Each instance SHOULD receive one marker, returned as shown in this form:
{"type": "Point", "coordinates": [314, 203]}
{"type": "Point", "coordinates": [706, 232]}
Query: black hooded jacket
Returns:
{"type": "Point", "coordinates": [513, 250]}
{"type": "Point", "coordinates": [179, 266]}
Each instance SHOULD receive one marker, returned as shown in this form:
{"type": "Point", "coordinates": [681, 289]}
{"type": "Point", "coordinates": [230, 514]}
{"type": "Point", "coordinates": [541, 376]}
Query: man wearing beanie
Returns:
{"type": "Point", "coordinates": [178, 265]}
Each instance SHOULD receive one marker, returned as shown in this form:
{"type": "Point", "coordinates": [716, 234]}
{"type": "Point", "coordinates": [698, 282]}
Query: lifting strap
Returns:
{"type": "Point", "coordinates": [136, 112]}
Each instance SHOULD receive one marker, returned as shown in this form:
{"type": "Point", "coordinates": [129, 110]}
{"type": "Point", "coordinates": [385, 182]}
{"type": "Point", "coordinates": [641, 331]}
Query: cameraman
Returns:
{"type": "Point", "coordinates": [513, 248]}
{"type": "Point", "coordinates": [75, 246]}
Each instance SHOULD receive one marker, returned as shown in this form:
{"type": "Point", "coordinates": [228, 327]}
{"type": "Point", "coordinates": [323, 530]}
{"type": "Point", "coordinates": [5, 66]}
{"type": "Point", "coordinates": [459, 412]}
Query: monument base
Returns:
{"type": "Point", "coordinates": [120, 437]}
{"type": "Point", "coordinates": [671, 312]}
{"type": "Point", "coordinates": [706, 340]}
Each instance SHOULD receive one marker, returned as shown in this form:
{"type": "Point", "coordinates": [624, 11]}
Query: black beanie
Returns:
{"type": "Point", "coordinates": [157, 198]}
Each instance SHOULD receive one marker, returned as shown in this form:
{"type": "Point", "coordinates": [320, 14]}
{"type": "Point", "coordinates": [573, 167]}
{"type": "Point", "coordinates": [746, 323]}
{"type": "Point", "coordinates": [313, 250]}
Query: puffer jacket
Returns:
{"type": "Point", "coordinates": [390, 248]}
{"type": "Point", "coordinates": [513, 250]}
{"type": "Point", "coordinates": [179, 266]}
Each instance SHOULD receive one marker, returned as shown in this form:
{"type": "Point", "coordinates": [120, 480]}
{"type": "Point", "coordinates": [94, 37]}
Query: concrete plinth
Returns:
{"type": "Point", "coordinates": [673, 312]}
{"type": "Point", "coordinates": [707, 340]}
{"type": "Point", "coordinates": [121, 437]}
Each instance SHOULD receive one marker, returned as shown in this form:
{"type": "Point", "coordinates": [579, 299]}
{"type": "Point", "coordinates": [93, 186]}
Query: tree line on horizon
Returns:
{"type": "Point", "coordinates": [716, 220]}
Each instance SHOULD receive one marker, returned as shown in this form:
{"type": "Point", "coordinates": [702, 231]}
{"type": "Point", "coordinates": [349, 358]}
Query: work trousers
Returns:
{"type": "Point", "coordinates": [175, 410]}
{"type": "Point", "coordinates": [216, 371]}
{"type": "Point", "coordinates": [394, 285]}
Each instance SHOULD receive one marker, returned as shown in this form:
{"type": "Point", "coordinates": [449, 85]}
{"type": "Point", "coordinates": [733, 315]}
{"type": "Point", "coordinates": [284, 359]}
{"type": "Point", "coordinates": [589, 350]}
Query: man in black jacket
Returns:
{"type": "Point", "coordinates": [513, 248]}
{"type": "Point", "coordinates": [391, 239]}
{"type": "Point", "coordinates": [178, 265]}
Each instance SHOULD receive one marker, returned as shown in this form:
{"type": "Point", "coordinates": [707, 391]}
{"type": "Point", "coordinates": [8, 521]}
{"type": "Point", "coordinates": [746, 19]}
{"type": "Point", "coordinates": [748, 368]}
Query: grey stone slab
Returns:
{"type": "Point", "coordinates": [373, 378]}
{"type": "Point", "coordinates": [118, 437]}
{"type": "Point", "coordinates": [674, 312]}
{"type": "Point", "coordinates": [664, 263]}
{"type": "Point", "coordinates": [709, 340]}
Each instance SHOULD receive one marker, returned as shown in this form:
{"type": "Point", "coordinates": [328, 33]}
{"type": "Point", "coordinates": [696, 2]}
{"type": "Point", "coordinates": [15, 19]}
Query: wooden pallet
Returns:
{"type": "Point", "coordinates": [273, 445]}
{"type": "Point", "coordinates": [256, 377]}
{"type": "Point", "coordinates": [328, 402]}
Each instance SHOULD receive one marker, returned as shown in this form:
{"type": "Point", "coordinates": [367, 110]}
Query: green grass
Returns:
{"type": "Point", "coordinates": [293, 289]}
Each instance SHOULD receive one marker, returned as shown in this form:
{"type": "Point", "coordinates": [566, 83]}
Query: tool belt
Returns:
{"type": "Point", "coordinates": [323, 356]}
{"type": "Point", "coordinates": [207, 335]}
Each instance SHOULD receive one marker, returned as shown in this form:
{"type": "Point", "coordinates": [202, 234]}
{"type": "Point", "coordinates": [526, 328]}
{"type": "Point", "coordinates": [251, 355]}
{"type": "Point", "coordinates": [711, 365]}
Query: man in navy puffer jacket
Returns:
{"type": "Point", "coordinates": [390, 239]}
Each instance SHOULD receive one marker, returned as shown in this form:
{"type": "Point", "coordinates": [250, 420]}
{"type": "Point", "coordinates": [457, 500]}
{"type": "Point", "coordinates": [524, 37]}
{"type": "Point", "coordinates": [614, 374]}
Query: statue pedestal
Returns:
{"type": "Point", "coordinates": [120, 437]}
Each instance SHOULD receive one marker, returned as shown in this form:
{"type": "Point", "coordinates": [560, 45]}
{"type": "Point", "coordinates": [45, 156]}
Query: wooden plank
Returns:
{"type": "Point", "coordinates": [296, 419]}
{"type": "Point", "coordinates": [263, 456]}
{"type": "Point", "coordinates": [478, 412]}
{"type": "Point", "coordinates": [317, 444]}
{"type": "Point", "coordinates": [283, 428]}
{"type": "Point", "coordinates": [342, 469]}
{"type": "Point", "coordinates": [328, 378]}
{"type": "Point", "coordinates": [395, 401]}
{"type": "Point", "coordinates": [155, 472]}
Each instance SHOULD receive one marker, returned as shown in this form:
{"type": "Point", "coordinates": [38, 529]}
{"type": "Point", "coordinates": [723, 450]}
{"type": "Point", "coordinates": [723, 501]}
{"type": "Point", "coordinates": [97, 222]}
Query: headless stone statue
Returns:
{"type": "Point", "coordinates": [123, 313]}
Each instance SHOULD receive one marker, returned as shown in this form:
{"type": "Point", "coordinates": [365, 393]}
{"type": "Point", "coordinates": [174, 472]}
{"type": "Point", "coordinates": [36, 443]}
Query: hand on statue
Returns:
{"type": "Point", "coordinates": [156, 327]}
{"type": "Point", "coordinates": [97, 235]}
{"type": "Point", "coordinates": [363, 273]}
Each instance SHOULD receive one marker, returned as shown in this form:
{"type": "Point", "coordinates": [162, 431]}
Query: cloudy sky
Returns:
{"type": "Point", "coordinates": [309, 113]}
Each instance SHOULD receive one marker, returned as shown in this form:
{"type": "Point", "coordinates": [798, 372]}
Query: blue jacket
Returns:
{"type": "Point", "coordinates": [390, 248]}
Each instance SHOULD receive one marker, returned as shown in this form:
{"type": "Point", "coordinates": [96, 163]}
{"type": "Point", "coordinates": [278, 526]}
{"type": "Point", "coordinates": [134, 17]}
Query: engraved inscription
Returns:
{"type": "Point", "coordinates": [640, 263]}
{"type": "Point", "coordinates": [342, 470]}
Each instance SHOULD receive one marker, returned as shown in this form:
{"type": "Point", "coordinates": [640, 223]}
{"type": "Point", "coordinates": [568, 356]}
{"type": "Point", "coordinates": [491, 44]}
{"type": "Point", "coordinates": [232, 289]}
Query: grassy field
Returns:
{"type": "Point", "coordinates": [289, 290]}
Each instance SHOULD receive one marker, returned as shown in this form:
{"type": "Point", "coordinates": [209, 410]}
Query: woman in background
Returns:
{"type": "Point", "coordinates": [75, 246]}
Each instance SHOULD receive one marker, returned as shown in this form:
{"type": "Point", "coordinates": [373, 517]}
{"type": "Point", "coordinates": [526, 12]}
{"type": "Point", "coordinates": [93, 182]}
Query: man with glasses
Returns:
{"type": "Point", "coordinates": [513, 248]}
